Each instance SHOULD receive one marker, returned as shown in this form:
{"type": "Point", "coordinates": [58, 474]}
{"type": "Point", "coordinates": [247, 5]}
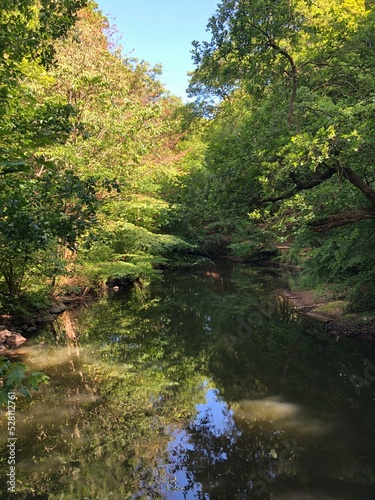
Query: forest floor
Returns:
{"type": "Point", "coordinates": [332, 313]}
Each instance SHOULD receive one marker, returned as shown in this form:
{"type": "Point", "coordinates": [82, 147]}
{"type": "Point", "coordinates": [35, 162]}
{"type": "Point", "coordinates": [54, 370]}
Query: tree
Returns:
{"type": "Point", "coordinates": [27, 31]}
{"type": "Point", "coordinates": [38, 207]}
{"type": "Point", "coordinates": [40, 202]}
{"type": "Point", "coordinates": [311, 81]}
{"type": "Point", "coordinates": [126, 129]}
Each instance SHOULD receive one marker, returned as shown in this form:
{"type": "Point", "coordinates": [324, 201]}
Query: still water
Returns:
{"type": "Point", "coordinates": [203, 386]}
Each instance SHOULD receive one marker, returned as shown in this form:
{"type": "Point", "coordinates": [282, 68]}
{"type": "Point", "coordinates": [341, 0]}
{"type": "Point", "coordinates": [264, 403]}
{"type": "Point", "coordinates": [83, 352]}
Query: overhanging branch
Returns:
{"type": "Point", "coordinates": [300, 186]}
{"type": "Point", "coordinates": [342, 219]}
{"type": "Point", "coordinates": [360, 184]}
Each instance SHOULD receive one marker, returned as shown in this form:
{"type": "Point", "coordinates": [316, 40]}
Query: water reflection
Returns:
{"type": "Point", "coordinates": [213, 420]}
{"type": "Point", "coordinates": [212, 454]}
{"type": "Point", "coordinates": [279, 415]}
{"type": "Point", "coordinates": [203, 386]}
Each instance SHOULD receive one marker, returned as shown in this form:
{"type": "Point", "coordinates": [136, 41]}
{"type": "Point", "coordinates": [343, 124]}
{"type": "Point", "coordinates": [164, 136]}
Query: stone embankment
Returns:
{"type": "Point", "coordinates": [15, 330]}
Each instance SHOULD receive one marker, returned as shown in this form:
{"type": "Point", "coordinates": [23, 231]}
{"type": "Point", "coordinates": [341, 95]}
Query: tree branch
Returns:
{"type": "Point", "coordinates": [294, 72]}
{"type": "Point", "coordinates": [338, 220]}
{"type": "Point", "coordinates": [360, 184]}
{"type": "Point", "coordinates": [300, 186]}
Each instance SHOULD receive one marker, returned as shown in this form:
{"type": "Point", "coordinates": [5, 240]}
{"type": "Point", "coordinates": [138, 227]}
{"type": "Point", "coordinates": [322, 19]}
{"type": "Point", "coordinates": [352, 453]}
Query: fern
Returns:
{"type": "Point", "coordinates": [127, 250]}
{"type": "Point", "coordinates": [342, 260]}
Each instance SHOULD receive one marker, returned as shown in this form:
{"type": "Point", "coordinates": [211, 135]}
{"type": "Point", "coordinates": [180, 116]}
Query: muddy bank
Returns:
{"type": "Point", "coordinates": [332, 314]}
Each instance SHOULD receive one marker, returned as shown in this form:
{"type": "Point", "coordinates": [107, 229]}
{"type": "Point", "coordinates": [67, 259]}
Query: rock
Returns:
{"type": "Point", "coordinates": [47, 318]}
{"type": "Point", "coordinates": [3, 349]}
{"type": "Point", "coordinates": [15, 340]}
{"type": "Point", "coordinates": [4, 335]}
{"type": "Point", "coordinates": [23, 320]}
{"type": "Point", "coordinates": [57, 308]}
{"type": "Point", "coordinates": [31, 329]}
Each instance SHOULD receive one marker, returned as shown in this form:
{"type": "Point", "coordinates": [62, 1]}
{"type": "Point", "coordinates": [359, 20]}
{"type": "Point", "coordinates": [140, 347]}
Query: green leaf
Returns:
{"type": "Point", "coordinates": [23, 390]}
{"type": "Point", "coordinates": [16, 375]}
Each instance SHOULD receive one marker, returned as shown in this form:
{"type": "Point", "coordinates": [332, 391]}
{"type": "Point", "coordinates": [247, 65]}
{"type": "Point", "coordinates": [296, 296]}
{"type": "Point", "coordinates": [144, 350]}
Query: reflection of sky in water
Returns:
{"type": "Point", "coordinates": [214, 419]}
{"type": "Point", "coordinates": [214, 415]}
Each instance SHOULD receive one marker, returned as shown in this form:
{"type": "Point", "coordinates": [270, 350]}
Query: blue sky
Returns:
{"type": "Point", "coordinates": [161, 31]}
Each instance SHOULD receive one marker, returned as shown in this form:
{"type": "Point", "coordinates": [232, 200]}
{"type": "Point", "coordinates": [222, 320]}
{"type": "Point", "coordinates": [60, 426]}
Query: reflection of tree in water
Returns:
{"type": "Point", "coordinates": [131, 381]}
{"type": "Point", "coordinates": [225, 455]}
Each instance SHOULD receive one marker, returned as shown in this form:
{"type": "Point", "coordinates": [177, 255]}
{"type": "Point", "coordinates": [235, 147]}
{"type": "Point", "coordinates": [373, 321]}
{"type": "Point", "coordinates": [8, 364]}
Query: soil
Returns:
{"type": "Point", "coordinates": [332, 314]}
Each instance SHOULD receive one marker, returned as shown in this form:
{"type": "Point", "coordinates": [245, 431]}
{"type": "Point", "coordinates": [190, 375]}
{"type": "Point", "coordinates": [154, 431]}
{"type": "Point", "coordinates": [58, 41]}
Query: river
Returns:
{"type": "Point", "coordinates": [205, 385]}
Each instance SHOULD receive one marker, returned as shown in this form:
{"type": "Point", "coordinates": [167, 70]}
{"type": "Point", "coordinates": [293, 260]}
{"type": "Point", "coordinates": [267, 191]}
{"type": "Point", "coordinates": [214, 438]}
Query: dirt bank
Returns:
{"type": "Point", "coordinates": [332, 314]}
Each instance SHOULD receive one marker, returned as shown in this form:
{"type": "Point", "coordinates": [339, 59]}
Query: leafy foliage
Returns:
{"type": "Point", "coordinates": [14, 377]}
{"type": "Point", "coordinates": [97, 157]}
{"type": "Point", "coordinates": [91, 138]}
{"type": "Point", "coordinates": [291, 142]}
{"type": "Point", "coordinates": [27, 31]}
{"type": "Point", "coordinates": [129, 251]}
{"type": "Point", "coordinates": [341, 264]}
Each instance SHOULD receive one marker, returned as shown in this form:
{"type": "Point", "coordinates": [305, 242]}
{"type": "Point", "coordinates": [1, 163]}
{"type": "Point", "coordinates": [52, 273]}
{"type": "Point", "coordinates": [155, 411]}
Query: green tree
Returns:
{"type": "Point", "coordinates": [126, 129]}
{"type": "Point", "coordinates": [38, 208]}
{"type": "Point", "coordinates": [311, 82]}
{"type": "Point", "coordinates": [40, 201]}
{"type": "Point", "coordinates": [27, 31]}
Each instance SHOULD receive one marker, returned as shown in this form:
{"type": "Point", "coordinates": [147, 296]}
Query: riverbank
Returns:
{"type": "Point", "coordinates": [15, 330]}
{"type": "Point", "coordinates": [332, 314]}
